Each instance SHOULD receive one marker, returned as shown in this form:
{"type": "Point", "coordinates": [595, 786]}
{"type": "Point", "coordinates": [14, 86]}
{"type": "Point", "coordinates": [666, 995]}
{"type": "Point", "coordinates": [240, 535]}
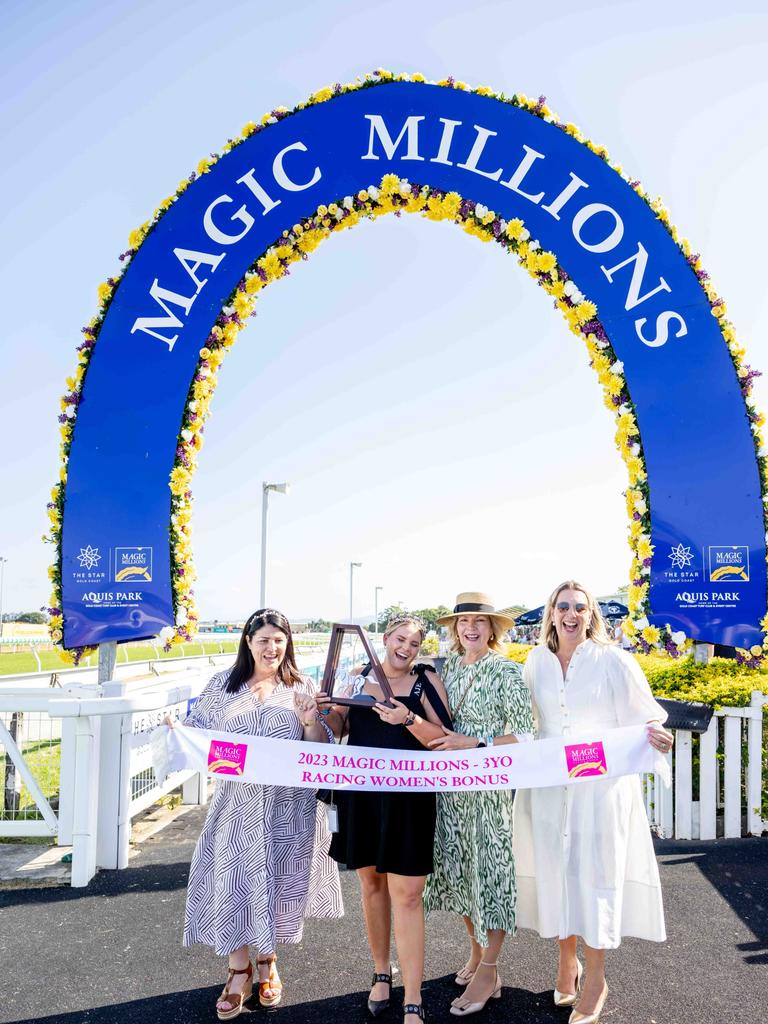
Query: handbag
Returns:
{"type": "Point", "coordinates": [690, 715]}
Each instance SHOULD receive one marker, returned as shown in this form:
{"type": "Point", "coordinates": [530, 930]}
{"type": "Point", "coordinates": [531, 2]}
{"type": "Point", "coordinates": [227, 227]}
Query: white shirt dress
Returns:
{"type": "Point", "coordinates": [584, 856]}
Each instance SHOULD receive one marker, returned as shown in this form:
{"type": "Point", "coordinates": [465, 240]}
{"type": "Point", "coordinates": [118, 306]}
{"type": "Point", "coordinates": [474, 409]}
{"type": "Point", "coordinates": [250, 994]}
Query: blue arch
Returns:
{"type": "Point", "coordinates": [703, 475]}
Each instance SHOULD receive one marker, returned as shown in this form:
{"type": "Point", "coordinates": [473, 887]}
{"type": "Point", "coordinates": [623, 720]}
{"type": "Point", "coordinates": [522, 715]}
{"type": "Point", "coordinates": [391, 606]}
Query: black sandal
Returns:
{"type": "Point", "coordinates": [416, 1008]}
{"type": "Point", "coordinates": [377, 1006]}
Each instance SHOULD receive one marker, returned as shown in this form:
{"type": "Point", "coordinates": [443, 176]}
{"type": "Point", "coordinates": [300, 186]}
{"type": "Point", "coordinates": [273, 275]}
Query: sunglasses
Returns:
{"type": "Point", "coordinates": [579, 607]}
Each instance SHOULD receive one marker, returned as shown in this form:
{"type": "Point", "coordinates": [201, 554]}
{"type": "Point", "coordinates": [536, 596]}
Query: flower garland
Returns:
{"type": "Point", "coordinates": [395, 195]}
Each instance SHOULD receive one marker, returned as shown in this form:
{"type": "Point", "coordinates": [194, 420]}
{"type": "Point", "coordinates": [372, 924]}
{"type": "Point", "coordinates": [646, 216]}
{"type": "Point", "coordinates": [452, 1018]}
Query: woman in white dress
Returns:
{"type": "Point", "coordinates": [585, 861]}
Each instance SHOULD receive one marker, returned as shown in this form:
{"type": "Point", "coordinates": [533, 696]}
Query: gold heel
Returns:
{"type": "Point", "coordinates": [590, 1018]}
{"type": "Point", "coordinates": [568, 998]}
{"type": "Point", "coordinates": [463, 1011]}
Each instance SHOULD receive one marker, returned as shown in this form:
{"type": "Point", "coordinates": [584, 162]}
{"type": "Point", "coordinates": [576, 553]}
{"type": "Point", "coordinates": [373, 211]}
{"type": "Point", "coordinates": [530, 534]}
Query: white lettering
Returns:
{"type": "Point", "coordinates": [379, 128]}
{"type": "Point", "coordinates": [568, 192]}
{"type": "Point", "coordinates": [445, 142]}
{"type": "Point", "coordinates": [216, 234]}
{"type": "Point", "coordinates": [253, 186]}
{"type": "Point", "coordinates": [483, 134]}
{"type": "Point", "coordinates": [162, 296]}
{"type": "Point", "coordinates": [192, 261]}
{"type": "Point", "coordinates": [662, 332]}
{"type": "Point", "coordinates": [592, 210]}
{"type": "Point", "coordinates": [282, 178]}
{"type": "Point", "coordinates": [531, 156]}
{"type": "Point", "coordinates": [640, 261]}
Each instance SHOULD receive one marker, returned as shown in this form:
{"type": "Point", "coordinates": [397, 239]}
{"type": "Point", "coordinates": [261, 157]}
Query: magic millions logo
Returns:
{"type": "Point", "coordinates": [728, 563]}
{"type": "Point", "coordinates": [133, 564]}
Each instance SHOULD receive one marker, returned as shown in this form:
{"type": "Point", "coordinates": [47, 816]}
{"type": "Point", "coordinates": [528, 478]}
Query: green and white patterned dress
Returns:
{"type": "Point", "coordinates": [474, 872]}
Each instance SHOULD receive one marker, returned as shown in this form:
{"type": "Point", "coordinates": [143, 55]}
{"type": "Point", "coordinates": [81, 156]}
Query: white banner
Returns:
{"type": "Point", "coordinates": [556, 761]}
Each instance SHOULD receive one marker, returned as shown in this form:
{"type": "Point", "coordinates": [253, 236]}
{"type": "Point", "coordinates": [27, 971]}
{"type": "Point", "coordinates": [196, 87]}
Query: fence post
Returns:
{"type": "Point", "coordinates": [732, 778]}
{"type": "Point", "coordinates": [683, 788]}
{"type": "Point", "coordinates": [86, 800]}
{"type": "Point", "coordinates": [195, 790]}
{"type": "Point", "coordinates": [114, 779]}
{"type": "Point", "coordinates": [67, 781]}
{"type": "Point", "coordinates": [708, 781]}
{"type": "Point", "coordinates": [754, 765]}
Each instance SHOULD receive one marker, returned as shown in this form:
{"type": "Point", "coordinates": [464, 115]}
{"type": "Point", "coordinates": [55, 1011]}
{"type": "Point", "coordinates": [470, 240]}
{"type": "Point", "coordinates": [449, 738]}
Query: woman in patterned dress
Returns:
{"type": "Point", "coordinates": [474, 868]}
{"type": "Point", "coordinates": [586, 864]}
{"type": "Point", "coordinates": [261, 863]}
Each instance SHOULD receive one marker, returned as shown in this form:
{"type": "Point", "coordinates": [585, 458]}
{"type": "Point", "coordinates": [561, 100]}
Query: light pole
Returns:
{"type": "Point", "coordinates": [2, 566]}
{"type": "Point", "coordinates": [376, 606]}
{"type": "Point", "coordinates": [265, 489]}
{"type": "Point", "coordinates": [352, 567]}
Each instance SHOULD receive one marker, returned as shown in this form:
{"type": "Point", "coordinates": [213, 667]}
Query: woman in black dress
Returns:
{"type": "Point", "coordinates": [388, 838]}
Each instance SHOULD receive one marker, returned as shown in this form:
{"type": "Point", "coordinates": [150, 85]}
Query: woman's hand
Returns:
{"type": "Point", "coordinates": [168, 721]}
{"type": "Point", "coordinates": [325, 703]}
{"type": "Point", "coordinates": [660, 738]}
{"type": "Point", "coordinates": [305, 707]}
{"type": "Point", "coordinates": [452, 741]}
{"type": "Point", "coordinates": [392, 715]}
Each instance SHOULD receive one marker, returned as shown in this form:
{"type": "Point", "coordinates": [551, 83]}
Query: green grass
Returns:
{"type": "Point", "coordinates": [43, 757]}
{"type": "Point", "coordinates": [12, 663]}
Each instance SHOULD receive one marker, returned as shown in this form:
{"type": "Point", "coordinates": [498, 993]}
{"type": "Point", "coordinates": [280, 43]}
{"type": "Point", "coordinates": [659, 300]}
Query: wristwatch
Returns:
{"type": "Point", "coordinates": [410, 719]}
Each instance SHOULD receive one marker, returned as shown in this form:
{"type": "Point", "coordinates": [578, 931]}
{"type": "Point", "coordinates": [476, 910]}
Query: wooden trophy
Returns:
{"type": "Point", "coordinates": [338, 631]}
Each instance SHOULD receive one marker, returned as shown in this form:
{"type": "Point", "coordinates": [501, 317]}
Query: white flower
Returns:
{"type": "Point", "coordinates": [624, 409]}
{"type": "Point", "coordinates": [480, 211]}
{"type": "Point", "coordinates": [525, 234]}
{"type": "Point", "coordinates": [618, 368]}
{"type": "Point", "coordinates": [192, 406]}
{"type": "Point", "coordinates": [640, 624]}
{"type": "Point", "coordinates": [228, 310]}
{"type": "Point", "coordinates": [635, 449]}
{"type": "Point", "coordinates": [405, 186]}
{"type": "Point", "coordinates": [70, 412]}
{"type": "Point", "coordinates": [187, 435]}
{"type": "Point", "coordinates": [373, 192]}
{"type": "Point", "coordinates": [502, 225]}
{"type": "Point", "coordinates": [167, 633]}
{"type": "Point", "coordinates": [534, 245]}
{"type": "Point", "coordinates": [678, 638]}
{"type": "Point", "coordinates": [601, 342]}
{"type": "Point", "coordinates": [569, 288]}
{"type": "Point", "coordinates": [640, 504]}
{"type": "Point", "coordinates": [339, 214]}
{"type": "Point", "coordinates": [181, 617]}
{"type": "Point", "coordinates": [348, 202]}
{"type": "Point", "coordinates": [579, 297]}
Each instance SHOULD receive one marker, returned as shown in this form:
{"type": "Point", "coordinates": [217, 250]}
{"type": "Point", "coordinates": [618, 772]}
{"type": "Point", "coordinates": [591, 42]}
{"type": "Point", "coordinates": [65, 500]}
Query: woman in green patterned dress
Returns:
{"type": "Point", "coordinates": [474, 871]}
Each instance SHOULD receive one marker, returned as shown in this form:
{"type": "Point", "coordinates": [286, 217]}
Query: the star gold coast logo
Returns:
{"type": "Point", "coordinates": [89, 557]}
{"type": "Point", "coordinates": [681, 557]}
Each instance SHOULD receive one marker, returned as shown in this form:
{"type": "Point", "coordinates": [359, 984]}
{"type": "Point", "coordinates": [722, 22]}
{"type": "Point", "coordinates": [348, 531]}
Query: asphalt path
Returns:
{"type": "Point", "coordinates": [112, 952]}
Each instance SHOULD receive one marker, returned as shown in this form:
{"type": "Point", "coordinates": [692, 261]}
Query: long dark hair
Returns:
{"type": "Point", "coordinates": [242, 671]}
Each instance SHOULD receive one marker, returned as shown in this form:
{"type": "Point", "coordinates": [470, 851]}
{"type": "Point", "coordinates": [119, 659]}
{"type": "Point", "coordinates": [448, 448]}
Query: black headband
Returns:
{"type": "Point", "coordinates": [471, 606]}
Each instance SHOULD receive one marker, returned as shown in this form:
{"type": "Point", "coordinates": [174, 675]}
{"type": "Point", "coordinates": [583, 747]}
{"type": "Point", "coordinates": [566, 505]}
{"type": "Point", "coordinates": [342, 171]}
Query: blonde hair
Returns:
{"type": "Point", "coordinates": [498, 629]}
{"type": "Point", "coordinates": [400, 620]}
{"type": "Point", "coordinates": [595, 630]}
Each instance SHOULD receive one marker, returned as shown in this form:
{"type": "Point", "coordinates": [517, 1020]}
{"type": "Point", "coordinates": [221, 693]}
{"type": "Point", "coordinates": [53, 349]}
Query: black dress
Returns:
{"type": "Point", "coordinates": [393, 832]}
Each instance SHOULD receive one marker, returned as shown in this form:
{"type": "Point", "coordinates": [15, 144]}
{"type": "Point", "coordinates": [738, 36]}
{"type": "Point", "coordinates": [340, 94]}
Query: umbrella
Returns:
{"type": "Point", "coordinates": [611, 610]}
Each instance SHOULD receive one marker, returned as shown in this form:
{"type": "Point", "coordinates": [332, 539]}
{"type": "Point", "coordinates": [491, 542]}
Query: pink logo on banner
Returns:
{"type": "Point", "coordinates": [226, 758]}
{"type": "Point", "coordinates": [584, 759]}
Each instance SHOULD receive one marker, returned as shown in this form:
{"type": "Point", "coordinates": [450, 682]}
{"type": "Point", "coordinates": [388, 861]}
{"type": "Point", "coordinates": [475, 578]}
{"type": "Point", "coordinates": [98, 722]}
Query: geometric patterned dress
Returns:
{"type": "Point", "coordinates": [474, 867]}
{"type": "Point", "coordinates": [261, 863]}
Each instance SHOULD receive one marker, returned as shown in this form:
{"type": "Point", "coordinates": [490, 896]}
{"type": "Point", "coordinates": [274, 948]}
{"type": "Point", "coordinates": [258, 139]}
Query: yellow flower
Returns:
{"type": "Point", "coordinates": [390, 183]}
{"type": "Point", "coordinates": [514, 228]}
{"type": "Point", "coordinates": [546, 261]}
{"type": "Point", "coordinates": [417, 77]}
{"type": "Point", "coordinates": [205, 353]}
{"type": "Point", "coordinates": [644, 549]}
{"type": "Point", "coordinates": [651, 635]}
{"type": "Point", "coordinates": [321, 95]}
{"type": "Point", "coordinates": [756, 651]}
{"type": "Point", "coordinates": [104, 292]}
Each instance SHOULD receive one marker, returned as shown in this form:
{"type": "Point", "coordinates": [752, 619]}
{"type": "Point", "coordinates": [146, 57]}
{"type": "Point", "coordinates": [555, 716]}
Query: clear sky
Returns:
{"type": "Point", "coordinates": [436, 419]}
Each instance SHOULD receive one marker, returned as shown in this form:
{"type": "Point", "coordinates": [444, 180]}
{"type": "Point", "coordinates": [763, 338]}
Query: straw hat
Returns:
{"type": "Point", "coordinates": [473, 602]}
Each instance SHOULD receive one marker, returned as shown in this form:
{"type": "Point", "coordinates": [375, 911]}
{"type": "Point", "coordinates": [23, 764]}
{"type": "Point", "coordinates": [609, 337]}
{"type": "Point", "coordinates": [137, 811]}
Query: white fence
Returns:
{"type": "Point", "coordinates": [106, 779]}
{"type": "Point", "coordinates": [710, 802]}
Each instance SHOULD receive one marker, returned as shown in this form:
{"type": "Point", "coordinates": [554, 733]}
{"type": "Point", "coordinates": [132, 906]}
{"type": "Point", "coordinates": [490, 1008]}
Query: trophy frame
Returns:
{"type": "Point", "coordinates": [338, 632]}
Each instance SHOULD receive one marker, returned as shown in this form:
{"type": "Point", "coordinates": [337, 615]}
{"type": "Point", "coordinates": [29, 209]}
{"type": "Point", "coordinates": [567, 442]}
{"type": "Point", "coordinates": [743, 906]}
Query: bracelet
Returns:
{"type": "Point", "coordinates": [324, 711]}
{"type": "Point", "coordinates": [308, 725]}
{"type": "Point", "coordinates": [411, 718]}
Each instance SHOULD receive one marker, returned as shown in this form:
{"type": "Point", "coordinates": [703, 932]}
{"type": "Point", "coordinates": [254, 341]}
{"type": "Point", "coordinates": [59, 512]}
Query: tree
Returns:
{"type": "Point", "coordinates": [35, 618]}
{"type": "Point", "coordinates": [319, 626]}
